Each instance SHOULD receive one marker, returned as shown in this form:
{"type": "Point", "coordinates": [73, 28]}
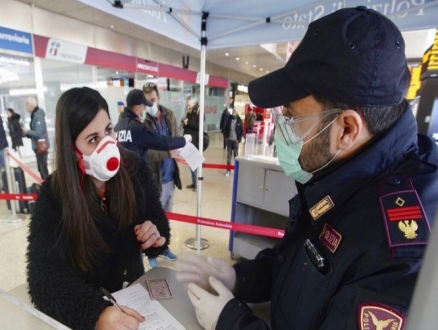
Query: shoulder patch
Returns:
{"type": "Point", "coordinates": [374, 316]}
{"type": "Point", "coordinates": [321, 207]}
{"type": "Point", "coordinates": [405, 220]}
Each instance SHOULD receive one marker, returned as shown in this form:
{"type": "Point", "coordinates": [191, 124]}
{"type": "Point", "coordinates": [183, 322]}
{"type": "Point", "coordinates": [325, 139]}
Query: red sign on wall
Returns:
{"type": "Point", "coordinates": [128, 63]}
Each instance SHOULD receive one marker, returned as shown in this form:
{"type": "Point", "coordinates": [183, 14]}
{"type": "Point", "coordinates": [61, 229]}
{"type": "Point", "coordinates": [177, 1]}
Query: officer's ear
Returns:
{"type": "Point", "coordinates": [349, 133]}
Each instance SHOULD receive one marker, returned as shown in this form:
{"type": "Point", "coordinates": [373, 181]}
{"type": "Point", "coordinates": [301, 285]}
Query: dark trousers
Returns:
{"type": "Point", "coordinates": [232, 145]}
{"type": "Point", "coordinates": [225, 140]}
{"type": "Point", "coordinates": [194, 176]}
{"type": "Point", "coordinates": [42, 165]}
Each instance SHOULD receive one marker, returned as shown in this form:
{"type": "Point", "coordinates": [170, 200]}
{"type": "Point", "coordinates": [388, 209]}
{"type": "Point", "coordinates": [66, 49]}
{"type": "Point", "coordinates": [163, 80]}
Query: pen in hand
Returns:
{"type": "Point", "coordinates": [111, 298]}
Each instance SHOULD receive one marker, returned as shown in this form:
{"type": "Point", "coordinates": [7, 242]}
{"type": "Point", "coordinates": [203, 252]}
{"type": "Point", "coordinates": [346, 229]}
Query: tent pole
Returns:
{"type": "Point", "coordinates": [199, 243]}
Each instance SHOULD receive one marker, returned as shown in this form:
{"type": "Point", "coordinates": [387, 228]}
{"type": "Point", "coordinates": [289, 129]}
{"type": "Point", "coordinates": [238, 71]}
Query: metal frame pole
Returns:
{"type": "Point", "coordinates": [201, 243]}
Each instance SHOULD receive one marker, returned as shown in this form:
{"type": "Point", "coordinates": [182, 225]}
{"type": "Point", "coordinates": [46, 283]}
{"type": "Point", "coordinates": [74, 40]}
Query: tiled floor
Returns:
{"type": "Point", "coordinates": [216, 203]}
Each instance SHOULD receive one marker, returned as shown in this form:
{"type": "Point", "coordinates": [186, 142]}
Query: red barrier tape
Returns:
{"type": "Point", "coordinates": [240, 227]}
{"type": "Point", "coordinates": [27, 170]}
{"type": "Point", "coordinates": [209, 165]}
{"type": "Point", "coordinates": [18, 197]}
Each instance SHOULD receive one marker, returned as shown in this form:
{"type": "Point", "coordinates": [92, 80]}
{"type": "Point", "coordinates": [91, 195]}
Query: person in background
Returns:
{"type": "Point", "coordinates": [164, 168]}
{"type": "Point", "coordinates": [250, 118]}
{"type": "Point", "coordinates": [3, 144]}
{"type": "Point", "coordinates": [224, 119]}
{"type": "Point", "coordinates": [191, 126]}
{"type": "Point", "coordinates": [93, 216]}
{"type": "Point", "coordinates": [15, 130]}
{"type": "Point", "coordinates": [133, 135]}
{"type": "Point", "coordinates": [121, 108]}
{"type": "Point", "coordinates": [37, 131]}
{"type": "Point", "coordinates": [233, 132]}
{"type": "Point", "coordinates": [367, 190]}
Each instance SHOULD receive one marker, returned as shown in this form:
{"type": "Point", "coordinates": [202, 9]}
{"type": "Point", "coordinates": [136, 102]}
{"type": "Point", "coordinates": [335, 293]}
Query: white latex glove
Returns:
{"type": "Point", "coordinates": [208, 306]}
{"type": "Point", "coordinates": [197, 269]}
{"type": "Point", "coordinates": [188, 138]}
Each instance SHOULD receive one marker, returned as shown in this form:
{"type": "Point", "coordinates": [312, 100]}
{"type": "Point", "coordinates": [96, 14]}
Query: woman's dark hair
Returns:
{"type": "Point", "coordinates": [378, 119]}
{"type": "Point", "coordinates": [11, 110]}
{"type": "Point", "coordinates": [75, 109]}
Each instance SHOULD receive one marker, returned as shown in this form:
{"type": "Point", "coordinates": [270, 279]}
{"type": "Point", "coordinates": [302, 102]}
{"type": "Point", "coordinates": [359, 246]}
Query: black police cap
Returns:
{"type": "Point", "coordinates": [136, 97]}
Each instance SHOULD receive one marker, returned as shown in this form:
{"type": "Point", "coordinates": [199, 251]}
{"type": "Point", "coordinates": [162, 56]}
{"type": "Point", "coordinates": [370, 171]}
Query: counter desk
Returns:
{"type": "Point", "coordinates": [180, 305]}
{"type": "Point", "coordinates": [17, 312]}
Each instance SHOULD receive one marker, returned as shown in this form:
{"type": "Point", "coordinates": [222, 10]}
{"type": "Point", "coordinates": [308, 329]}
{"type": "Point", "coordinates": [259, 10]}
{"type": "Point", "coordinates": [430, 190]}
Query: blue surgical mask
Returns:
{"type": "Point", "coordinates": [289, 151]}
{"type": "Point", "coordinates": [152, 110]}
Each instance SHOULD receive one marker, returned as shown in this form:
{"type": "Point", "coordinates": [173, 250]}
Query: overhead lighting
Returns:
{"type": "Point", "coordinates": [242, 88]}
{"type": "Point", "coordinates": [267, 71]}
{"type": "Point", "coordinates": [261, 69]}
{"type": "Point", "coordinates": [112, 26]}
{"type": "Point", "coordinates": [227, 54]}
{"type": "Point", "coordinates": [99, 84]}
{"type": "Point", "coordinates": [117, 72]}
{"type": "Point", "coordinates": [237, 58]}
{"type": "Point", "coordinates": [254, 66]}
{"type": "Point", "coordinates": [25, 91]}
{"type": "Point", "coordinates": [246, 62]}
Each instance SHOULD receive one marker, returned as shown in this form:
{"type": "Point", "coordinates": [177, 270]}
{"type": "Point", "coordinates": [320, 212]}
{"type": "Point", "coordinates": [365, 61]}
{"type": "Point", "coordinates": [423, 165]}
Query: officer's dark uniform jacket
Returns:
{"type": "Point", "coordinates": [135, 136]}
{"type": "Point", "coordinates": [366, 266]}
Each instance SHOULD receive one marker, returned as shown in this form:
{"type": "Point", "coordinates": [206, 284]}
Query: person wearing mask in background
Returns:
{"type": "Point", "coordinates": [37, 131]}
{"type": "Point", "coordinates": [250, 118]}
{"type": "Point", "coordinates": [191, 126]}
{"type": "Point", "coordinates": [367, 189]}
{"type": "Point", "coordinates": [224, 119]}
{"type": "Point", "coordinates": [121, 108]}
{"type": "Point", "coordinates": [133, 135]}
{"type": "Point", "coordinates": [93, 216]}
{"type": "Point", "coordinates": [15, 130]}
{"type": "Point", "coordinates": [164, 168]}
{"type": "Point", "coordinates": [233, 132]}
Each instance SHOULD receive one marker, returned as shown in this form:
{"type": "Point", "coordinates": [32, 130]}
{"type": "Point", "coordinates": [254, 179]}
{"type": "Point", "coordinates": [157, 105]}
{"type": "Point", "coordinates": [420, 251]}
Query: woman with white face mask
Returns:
{"type": "Point", "coordinates": [93, 216]}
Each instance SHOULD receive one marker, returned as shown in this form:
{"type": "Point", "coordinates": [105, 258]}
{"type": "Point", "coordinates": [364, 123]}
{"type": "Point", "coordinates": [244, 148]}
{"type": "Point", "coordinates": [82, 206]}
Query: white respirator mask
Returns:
{"type": "Point", "coordinates": [104, 162]}
{"type": "Point", "coordinates": [152, 110]}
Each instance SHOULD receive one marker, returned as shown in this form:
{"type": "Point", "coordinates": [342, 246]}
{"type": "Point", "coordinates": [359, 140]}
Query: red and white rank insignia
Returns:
{"type": "Point", "coordinates": [373, 316]}
{"type": "Point", "coordinates": [405, 220]}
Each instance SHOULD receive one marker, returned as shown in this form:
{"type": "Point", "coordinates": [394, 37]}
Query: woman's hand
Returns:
{"type": "Point", "coordinates": [148, 235]}
{"type": "Point", "coordinates": [113, 319]}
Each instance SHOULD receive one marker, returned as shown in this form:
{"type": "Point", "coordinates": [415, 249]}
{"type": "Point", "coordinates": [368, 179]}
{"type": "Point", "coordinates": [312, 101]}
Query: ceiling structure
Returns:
{"type": "Point", "coordinates": [253, 61]}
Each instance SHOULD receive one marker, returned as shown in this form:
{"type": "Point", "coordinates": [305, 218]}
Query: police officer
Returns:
{"type": "Point", "coordinates": [366, 182]}
{"type": "Point", "coordinates": [133, 135]}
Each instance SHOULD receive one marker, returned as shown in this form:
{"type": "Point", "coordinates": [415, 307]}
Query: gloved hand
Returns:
{"type": "Point", "coordinates": [197, 269]}
{"type": "Point", "coordinates": [188, 138]}
{"type": "Point", "coordinates": [208, 306]}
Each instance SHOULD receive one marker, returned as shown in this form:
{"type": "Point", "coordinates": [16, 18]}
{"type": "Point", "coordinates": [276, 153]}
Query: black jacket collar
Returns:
{"type": "Point", "coordinates": [34, 111]}
{"type": "Point", "coordinates": [128, 113]}
{"type": "Point", "coordinates": [348, 177]}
